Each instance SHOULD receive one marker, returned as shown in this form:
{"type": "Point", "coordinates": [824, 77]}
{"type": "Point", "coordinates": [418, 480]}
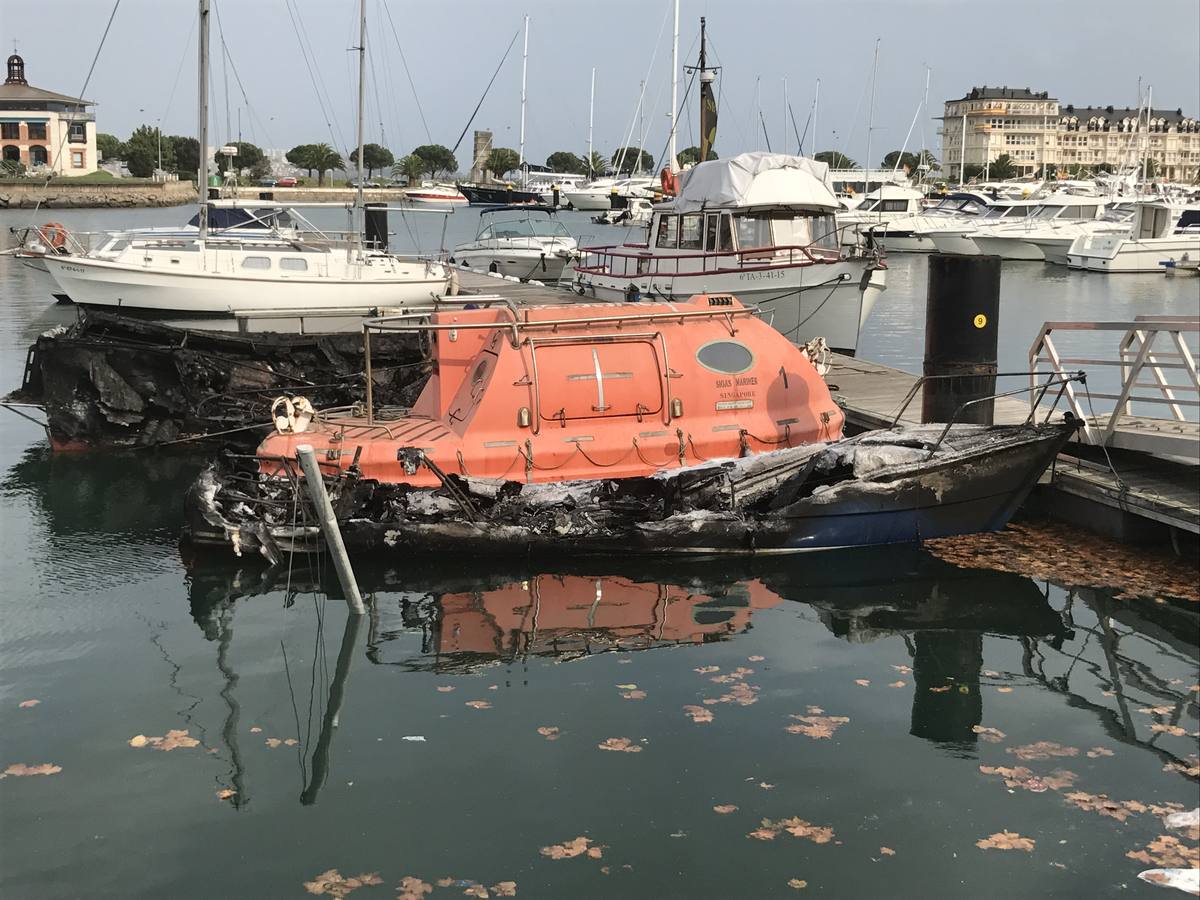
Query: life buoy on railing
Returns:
{"type": "Point", "coordinates": [53, 235]}
{"type": "Point", "coordinates": [670, 184]}
{"type": "Point", "coordinates": [292, 415]}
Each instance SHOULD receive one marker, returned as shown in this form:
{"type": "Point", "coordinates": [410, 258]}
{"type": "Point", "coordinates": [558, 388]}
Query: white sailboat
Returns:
{"type": "Point", "coordinates": [219, 274]}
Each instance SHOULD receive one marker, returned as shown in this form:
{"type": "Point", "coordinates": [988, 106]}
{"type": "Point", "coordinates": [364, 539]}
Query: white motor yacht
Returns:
{"type": "Point", "coordinates": [608, 193]}
{"type": "Point", "coordinates": [878, 208]}
{"type": "Point", "coordinates": [909, 234]}
{"type": "Point", "coordinates": [1055, 217]}
{"type": "Point", "coordinates": [526, 242]}
{"type": "Point", "coordinates": [1161, 232]}
{"type": "Point", "coordinates": [958, 236]}
{"type": "Point", "coordinates": [760, 226]}
{"type": "Point", "coordinates": [1055, 238]}
{"type": "Point", "coordinates": [435, 195]}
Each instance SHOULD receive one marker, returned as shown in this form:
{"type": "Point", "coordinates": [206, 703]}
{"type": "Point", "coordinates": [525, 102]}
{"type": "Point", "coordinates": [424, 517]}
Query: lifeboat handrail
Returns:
{"type": "Point", "coordinates": [418, 321]}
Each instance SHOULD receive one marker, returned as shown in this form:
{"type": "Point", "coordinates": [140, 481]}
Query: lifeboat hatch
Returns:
{"type": "Point", "coordinates": [606, 379]}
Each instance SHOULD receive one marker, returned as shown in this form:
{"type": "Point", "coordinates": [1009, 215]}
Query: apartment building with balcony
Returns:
{"type": "Point", "coordinates": [43, 130]}
{"type": "Point", "coordinates": [1043, 135]}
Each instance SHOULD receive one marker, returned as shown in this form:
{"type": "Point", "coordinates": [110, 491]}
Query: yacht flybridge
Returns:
{"type": "Point", "coordinates": [216, 272]}
{"type": "Point", "coordinates": [881, 206]}
{"type": "Point", "coordinates": [761, 226]}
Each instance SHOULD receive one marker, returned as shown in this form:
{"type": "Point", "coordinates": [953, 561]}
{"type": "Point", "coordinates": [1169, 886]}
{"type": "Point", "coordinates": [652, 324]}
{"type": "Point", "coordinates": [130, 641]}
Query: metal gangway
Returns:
{"type": "Point", "coordinates": [1155, 361]}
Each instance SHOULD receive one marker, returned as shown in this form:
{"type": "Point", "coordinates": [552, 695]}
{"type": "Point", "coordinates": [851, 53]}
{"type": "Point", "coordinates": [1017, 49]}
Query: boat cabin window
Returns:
{"type": "Point", "coordinates": [1016, 212]}
{"type": "Point", "coordinates": [668, 231]}
{"type": "Point", "coordinates": [256, 262]}
{"type": "Point", "coordinates": [726, 357]}
{"type": "Point", "coordinates": [886, 206]}
{"type": "Point", "coordinates": [1189, 220]}
{"type": "Point", "coordinates": [753, 231]}
{"type": "Point", "coordinates": [1077, 212]}
{"type": "Point", "coordinates": [726, 245]}
{"type": "Point", "coordinates": [689, 231]}
{"type": "Point", "coordinates": [293, 264]}
{"type": "Point", "coordinates": [710, 232]}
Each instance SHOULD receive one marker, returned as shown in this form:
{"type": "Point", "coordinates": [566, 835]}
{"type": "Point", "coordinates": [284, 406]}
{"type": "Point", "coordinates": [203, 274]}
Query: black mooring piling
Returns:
{"type": "Point", "coordinates": [375, 225]}
{"type": "Point", "coordinates": [962, 310]}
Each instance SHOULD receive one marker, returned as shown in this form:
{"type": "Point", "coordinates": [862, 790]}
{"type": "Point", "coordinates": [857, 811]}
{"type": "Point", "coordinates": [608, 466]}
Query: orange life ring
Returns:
{"type": "Point", "coordinates": [670, 184]}
{"type": "Point", "coordinates": [53, 235]}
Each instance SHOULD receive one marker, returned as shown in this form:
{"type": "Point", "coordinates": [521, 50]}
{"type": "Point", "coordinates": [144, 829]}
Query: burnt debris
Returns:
{"type": "Point", "coordinates": [116, 381]}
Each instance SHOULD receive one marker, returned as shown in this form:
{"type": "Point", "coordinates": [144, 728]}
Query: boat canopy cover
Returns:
{"type": "Point", "coordinates": [755, 179]}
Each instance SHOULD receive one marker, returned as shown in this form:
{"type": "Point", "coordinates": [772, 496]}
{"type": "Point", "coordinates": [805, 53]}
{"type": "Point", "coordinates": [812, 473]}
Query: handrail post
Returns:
{"type": "Point", "coordinates": [370, 375]}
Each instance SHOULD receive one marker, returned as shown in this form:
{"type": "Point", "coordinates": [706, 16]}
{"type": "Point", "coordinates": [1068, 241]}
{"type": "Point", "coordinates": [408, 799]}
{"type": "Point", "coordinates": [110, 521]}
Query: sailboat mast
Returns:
{"type": "Point", "coordinates": [674, 88]}
{"type": "Point", "coordinates": [524, 69]}
{"type": "Point", "coordinates": [962, 155]}
{"type": "Point", "coordinates": [202, 124]}
{"type": "Point", "coordinates": [360, 221]}
{"type": "Point", "coordinates": [816, 110]}
{"type": "Point", "coordinates": [783, 144]}
{"type": "Point", "coordinates": [1149, 113]}
{"type": "Point", "coordinates": [871, 124]}
{"type": "Point", "coordinates": [591, 121]}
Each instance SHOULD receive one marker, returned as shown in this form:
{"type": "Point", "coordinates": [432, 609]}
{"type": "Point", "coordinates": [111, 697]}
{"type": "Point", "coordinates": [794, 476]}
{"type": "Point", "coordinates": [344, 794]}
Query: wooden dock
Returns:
{"type": "Point", "coordinates": [1143, 486]}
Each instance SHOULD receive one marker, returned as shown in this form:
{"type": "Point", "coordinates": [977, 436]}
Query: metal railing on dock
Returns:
{"type": "Point", "coordinates": [1148, 347]}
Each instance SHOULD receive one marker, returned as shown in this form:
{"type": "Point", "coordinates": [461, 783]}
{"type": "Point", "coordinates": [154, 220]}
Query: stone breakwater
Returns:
{"type": "Point", "coordinates": [64, 195]}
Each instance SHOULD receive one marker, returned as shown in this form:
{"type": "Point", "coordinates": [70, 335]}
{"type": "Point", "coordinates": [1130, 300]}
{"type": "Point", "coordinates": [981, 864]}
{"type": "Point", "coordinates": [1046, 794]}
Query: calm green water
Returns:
{"type": "Point", "coordinates": [118, 633]}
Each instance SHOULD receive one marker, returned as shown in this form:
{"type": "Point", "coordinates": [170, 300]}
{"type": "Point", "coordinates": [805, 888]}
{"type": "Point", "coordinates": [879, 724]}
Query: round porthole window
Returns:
{"type": "Point", "coordinates": [726, 357]}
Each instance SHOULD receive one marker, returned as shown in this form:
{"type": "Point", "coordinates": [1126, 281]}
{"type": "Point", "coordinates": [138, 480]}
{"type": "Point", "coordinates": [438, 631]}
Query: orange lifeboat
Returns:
{"type": "Point", "coordinates": [578, 392]}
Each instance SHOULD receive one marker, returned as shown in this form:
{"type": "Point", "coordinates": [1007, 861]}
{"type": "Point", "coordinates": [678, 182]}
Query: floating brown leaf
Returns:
{"type": "Point", "coordinates": [620, 744]}
{"type": "Point", "coordinates": [886, 851]}
{"type": "Point", "coordinates": [990, 674]}
{"type": "Point", "coordinates": [169, 741]}
{"type": "Point", "coordinates": [1156, 710]}
{"type": "Point", "coordinates": [897, 684]}
{"type": "Point", "coordinates": [445, 688]}
{"type": "Point", "coordinates": [1100, 803]}
{"type": "Point", "coordinates": [505, 889]}
{"type": "Point", "coordinates": [28, 704]}
{"type": "Point", "coordinates": [476, 890]}
{"type": "Point", "coordinates": [1042, 750]}
{"type": "Point", "coordinates": [478, 704]}
{"type": "Point", "coordinates": [20, 770]}
{"type": "Point", "coordinates": [991, 735]}
{"type": "Point", "coordinates": [698, 714]}
{"type": "Point", "coordinates": [550, 732]}
{"type": "Point", "coordinates": [765, 786]}
{"type": "Point", "coordinates": [797, 884]}
{"type": "Point", "coordinates": [940, 690]}
{"type": "Point", "coordinates": [634, 695]}
{"type": "Point", "coordinates": [1190, 768]}
{"type": "Point", "coordinates": [595, 852]}
{"type": "Point", "coordinates": [755, 658]}
{"type": "Point", "coordinates": [225, 794]}
{"type": "Point", "coordinates": [1004, 690]}
{"type": "Point", "coordinates": [1006, 840]}
{"type": "Point", "coordinates": [413, 888]}
{"type": "Point", "coordinates": [1025, 779]}
{"type": "Point", "coordinates": [863, 682]}
{"type": "Point", "coordinates": [254, 729]}
{"type": "Point", "coordinates": [1097, 752]}
{"type": "Point", "coordinates": [795, 826]}
{"type": "Point", "coordinates": [333, 883]}
{"type": "Point", "coordinates": [725, 809]}
{"type": "Point", "coordinates": [568, 849]}
{"type": "Point", "coordinates": [707, 670]}
{"type": "Point", "coordinates": [273, 742]}
{"type": "Point", "coordinates": [737, 674]}
{"type": "Point", "coordinates": [445, 882]}
{"type": "Point", "coordinates": [814, 710]}
{"type": "Point", "coordinates": [817, 726]}
{"type": "Point", "coordinates": [903, 670]}
{"type": "Point", "coordinates": [626, 687]}
{"type": "Point", "coordinates": [1168, 729]}
{"type": "Point", "coordinates": [1167, 852]}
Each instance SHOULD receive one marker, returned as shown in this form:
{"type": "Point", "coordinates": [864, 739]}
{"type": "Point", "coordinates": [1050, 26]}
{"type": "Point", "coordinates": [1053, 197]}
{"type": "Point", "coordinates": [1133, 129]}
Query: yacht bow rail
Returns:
{"type": "Point", "coordinates": [1157, 366]}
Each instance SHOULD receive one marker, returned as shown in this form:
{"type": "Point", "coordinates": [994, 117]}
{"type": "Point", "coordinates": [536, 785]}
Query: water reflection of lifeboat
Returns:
{"type": "Point", "coordinates": [584, 392]}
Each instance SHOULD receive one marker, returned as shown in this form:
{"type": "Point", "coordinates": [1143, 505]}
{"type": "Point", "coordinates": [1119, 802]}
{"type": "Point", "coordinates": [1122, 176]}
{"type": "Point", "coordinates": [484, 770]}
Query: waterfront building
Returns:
{"type": "Point", "coordinates": [1042, 135]}
{"type": "Point", "coordinates": [44, 130]}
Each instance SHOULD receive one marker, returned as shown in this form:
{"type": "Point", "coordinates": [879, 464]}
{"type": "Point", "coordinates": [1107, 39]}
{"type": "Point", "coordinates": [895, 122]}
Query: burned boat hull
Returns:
{"type": "Point", "coordinates": [115, 381]}
{"type": "Point", "coordinates": [885, 487]}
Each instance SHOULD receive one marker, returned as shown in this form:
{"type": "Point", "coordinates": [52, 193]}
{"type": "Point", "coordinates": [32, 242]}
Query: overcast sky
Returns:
{"type": "Point", "coordinates": [1081, 52]}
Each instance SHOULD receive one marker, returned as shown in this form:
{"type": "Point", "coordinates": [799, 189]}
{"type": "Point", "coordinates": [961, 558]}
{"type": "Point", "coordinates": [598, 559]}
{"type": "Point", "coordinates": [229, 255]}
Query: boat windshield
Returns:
{"type": "Point", "coordinates": [518, 228]}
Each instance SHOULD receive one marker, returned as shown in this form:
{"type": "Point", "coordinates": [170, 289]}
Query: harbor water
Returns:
{"type": "Point", "coordinates": [841, 725]}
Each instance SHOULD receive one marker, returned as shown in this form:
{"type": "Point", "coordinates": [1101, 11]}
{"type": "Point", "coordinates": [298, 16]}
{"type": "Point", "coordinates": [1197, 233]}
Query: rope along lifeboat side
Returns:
{"type": "Point", "coordinates": [549, 394]}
